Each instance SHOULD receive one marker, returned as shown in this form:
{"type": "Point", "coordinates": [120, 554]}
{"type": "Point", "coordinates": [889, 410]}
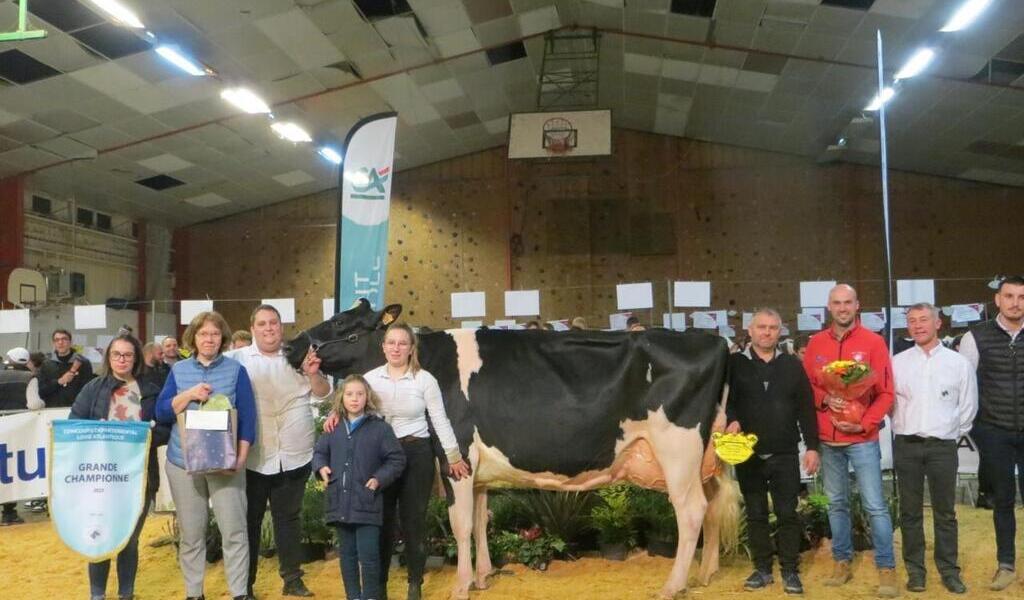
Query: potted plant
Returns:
{"type": "Point", "coordinates": [813, 513]}
{"type": "Point", "coordinates": [531, 547]}
{"type": "Point", "coordinates": [439, 541]}
{"type": "Point", "coordinates": [268, 547]}
{"type": "Point", "coordinates": [316, 535]}
{"type": "Point", "coordinates": [656, 518]}
{"type": "Point", "coordinates": [613, 520]}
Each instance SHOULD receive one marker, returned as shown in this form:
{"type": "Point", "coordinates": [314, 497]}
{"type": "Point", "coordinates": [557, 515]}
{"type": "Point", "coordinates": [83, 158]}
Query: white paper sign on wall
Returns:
{"type": "Point", "coordinates": [191, 308]}
{"type": "Point", "coordinates": [522, 303]}
{"type": "Point", "coordinates": [691, 294]}
{"type": "Point", "coordinates": [15, 321]}
{"type": "Point", "coordinates": [912, 291]}
{"type": "Point", "coordinates": [631, 296]}
{"type": "Point", "coordinates": [815, 293]}
{"type": "Point", "coordinates": [285, 306]}
{"type": "Point", "coordinates": [469, 304]}
{"type": "Point", "coordinates": [93, 316]}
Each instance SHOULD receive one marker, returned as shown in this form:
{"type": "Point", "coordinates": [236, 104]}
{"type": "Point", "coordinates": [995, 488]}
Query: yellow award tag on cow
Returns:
{"type": "Point", "coordinates": [734, 448]}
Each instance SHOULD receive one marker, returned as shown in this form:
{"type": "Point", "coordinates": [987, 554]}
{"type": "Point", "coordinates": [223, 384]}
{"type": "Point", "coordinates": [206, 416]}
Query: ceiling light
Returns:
{"type": "Point", "coordinates": [965, 15]}
{"type": "Point", "coordinates": [330, 154]}
{"type": "Point", "coordinates": [880, 99]}
{"type": "Point", "coordinates": [245, 100]}
{"type": "Point", "coordinates": [290, 131]}
{"type": "Point", "coordinates": [917, 63]}
{"type": "Point", "coordinates": [179, 60]}
{"type": "Point", "coordinates": [119, 12]}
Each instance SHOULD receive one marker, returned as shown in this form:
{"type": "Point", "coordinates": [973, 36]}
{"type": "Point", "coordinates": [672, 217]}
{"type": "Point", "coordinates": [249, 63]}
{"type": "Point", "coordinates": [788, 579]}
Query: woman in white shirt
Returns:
{"type": "Point", "coordinates": [408, 395]}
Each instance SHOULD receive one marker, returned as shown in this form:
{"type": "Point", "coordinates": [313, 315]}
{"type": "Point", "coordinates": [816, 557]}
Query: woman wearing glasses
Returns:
{"type": "Point", "coordinates": [191, 383]}
{"type": "Point", "coordinates": [120, 395]}
{"type": "Point", "coordinates": [409, 395]}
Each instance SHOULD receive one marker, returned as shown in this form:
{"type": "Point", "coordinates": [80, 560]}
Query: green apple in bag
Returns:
{"type": "Point", "coordinates": [217, 402]}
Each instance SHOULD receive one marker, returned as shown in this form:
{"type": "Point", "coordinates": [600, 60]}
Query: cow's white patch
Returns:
{"type": "Point", "coordinates": [469, 356]}
{"type": "Point", "coordinates": [637, 459]}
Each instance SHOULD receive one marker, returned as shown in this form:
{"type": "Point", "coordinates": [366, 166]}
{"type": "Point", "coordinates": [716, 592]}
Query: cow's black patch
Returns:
{"type": "Point", "coordinates": [554, 401]}
{"type": "Point", "coordinates": [549, 401]}
{"type": "Point", "coordinates": [688, 373]}
{"type": "Point", "coordinates": [439, 356]}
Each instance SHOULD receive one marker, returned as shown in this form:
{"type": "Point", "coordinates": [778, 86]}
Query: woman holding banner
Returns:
{"type": "Point", "coordinates": [208, 376]}
{"type": "Point", "coordinates": [119, 395]}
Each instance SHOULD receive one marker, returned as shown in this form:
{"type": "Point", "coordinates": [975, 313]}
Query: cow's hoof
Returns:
{"type": "Point", "coordinates": [666, 594]}
{"type": "Point", "coordinates": [479, 586]}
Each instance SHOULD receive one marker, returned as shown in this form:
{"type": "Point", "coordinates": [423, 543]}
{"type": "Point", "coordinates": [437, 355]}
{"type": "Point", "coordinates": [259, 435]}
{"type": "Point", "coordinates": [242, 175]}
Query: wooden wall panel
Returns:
{"type": "Point", "coordinates": [660, 208]}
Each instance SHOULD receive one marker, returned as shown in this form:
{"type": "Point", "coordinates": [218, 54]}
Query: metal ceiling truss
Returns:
{"type": "Point", "coordinates": [569, 72]}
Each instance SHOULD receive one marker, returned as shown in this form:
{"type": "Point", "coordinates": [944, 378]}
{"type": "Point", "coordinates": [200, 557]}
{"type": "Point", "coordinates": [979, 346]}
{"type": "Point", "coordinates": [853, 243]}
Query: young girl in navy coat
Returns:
{"type": "Point", "coordinates": [358, 461]}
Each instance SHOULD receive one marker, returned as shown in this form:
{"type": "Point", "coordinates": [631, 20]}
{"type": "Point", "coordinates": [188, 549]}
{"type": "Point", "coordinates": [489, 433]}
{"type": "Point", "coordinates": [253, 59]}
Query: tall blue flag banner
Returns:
{"type": "Point", "coordinates": [365, 195]}
{"type": "Point", "coordinates": [97, 483]}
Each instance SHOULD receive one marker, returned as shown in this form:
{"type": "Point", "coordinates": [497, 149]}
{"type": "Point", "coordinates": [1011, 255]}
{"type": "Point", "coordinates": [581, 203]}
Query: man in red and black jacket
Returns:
{"type": "Point", "coordinates": [846, 444]}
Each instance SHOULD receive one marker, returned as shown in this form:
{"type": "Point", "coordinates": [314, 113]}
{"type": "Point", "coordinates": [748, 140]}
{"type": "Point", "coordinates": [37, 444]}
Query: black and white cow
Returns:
{"type": "Point", "coordinates": [563, 411]}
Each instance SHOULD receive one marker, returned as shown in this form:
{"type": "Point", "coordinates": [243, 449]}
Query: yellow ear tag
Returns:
{"type": "Point", "coordinates": [734, 448]}
{"type": "Point", "coordinates": [387, 319]}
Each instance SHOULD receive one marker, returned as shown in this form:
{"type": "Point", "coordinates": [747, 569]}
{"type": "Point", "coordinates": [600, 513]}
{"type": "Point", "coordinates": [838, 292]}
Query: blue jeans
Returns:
{"type": "Point", "coordinates": [127, 564]}
{"type": "Point", "coordinates": [866, 459]}
{"type": "Point", "coordinates": [359, 546]}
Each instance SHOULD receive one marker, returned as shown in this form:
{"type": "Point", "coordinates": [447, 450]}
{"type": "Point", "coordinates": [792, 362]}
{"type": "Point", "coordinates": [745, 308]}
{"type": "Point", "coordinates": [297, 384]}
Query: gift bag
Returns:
{"type": "Point", "coordinates": [209, 439]}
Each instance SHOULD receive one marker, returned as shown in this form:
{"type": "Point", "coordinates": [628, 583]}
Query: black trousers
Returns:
{"type": "Point", "coordinates": [915, 459]}
{"type": "Point", "coordinates": [778, 475]}
{"type": "Point", "coordinates": [408, 498]}
{"type": "Point", "coordinates": [284, 491]}
{"type": "Point", "coordinates": [1002, 450]}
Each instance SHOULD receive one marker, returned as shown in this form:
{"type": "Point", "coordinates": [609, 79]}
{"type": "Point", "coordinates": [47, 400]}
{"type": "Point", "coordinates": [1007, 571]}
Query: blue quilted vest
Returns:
{"type": "Point", "coordinates": [222, 374]}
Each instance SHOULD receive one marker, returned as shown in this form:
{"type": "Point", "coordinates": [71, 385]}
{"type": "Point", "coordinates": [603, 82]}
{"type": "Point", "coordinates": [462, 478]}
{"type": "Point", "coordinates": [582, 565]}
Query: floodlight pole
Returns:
{"type": "Point", "coordinates": [22, 33]}
{"type": "Point", "coordinates": [887, 225]}
{"type": "Point", "coordinates": [886, 222]}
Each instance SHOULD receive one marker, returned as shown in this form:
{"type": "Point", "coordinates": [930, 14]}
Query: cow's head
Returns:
{"type": "Point", "coordinates": [347, 342]}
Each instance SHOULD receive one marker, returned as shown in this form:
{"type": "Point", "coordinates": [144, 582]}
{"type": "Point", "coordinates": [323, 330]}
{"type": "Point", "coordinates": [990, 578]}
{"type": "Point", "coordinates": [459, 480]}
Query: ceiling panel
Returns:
{"type": "Point", "coordinates": [775, 87]}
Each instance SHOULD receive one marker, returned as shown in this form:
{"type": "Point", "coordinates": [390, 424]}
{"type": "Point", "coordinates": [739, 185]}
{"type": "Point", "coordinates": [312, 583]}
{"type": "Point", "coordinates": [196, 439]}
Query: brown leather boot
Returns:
{"type": "Point", "coordinates": [888, 587]}
{"type": "Point", "coordinates": [841, 573]}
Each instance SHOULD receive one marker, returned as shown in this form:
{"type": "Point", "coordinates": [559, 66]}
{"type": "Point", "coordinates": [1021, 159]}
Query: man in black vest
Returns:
{"type": "Point", "coordinates": [14, 378]}
{"type": "Point", "coordinates": [997, 350]}
{"type": "Point", "coordinates": [769, 396]}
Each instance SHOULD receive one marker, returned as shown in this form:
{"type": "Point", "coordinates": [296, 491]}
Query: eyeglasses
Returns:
{"type": "Point", "coordinates": [122, 355]}
{"type": "Point", "coordinates": [208, 334]}
{"type": "Point", "coordinates": [399, 343]}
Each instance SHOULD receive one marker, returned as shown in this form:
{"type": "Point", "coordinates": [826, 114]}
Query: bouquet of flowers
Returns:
{"type": "Point", "coordinates": [848, 379]}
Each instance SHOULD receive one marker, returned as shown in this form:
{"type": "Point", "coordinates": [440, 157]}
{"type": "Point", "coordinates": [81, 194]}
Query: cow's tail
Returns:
{"type": "Point", "coordinates": [721, 521]}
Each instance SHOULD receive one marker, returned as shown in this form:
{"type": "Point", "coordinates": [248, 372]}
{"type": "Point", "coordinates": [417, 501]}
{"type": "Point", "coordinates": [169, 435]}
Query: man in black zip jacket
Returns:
{"type": "Point", "coordinates": [65, 374]}
{"type": "Point", "coordinates": [996, 349]}
{"type": "Point", "coordinates": [769, 396]}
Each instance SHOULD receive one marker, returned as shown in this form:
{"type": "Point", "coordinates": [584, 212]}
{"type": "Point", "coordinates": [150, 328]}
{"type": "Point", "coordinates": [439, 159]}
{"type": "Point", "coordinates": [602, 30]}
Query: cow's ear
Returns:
{"type": "Point", "coordinates": [390, 314]}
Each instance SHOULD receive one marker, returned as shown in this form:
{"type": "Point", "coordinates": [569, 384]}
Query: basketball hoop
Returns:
{"type": "Point", "coordinates": [557, 146]}
{"type": "Point", "coordinates": [559, 136]}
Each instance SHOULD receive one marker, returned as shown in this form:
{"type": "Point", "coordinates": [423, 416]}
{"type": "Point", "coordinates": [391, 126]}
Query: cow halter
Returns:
{"type": "Point", "coordinates": [316, 345]}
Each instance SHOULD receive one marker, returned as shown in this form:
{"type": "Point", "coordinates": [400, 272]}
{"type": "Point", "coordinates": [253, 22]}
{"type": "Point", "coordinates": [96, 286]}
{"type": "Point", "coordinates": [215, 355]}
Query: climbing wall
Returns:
{"type": "Point", "coordinates": [659, 208]}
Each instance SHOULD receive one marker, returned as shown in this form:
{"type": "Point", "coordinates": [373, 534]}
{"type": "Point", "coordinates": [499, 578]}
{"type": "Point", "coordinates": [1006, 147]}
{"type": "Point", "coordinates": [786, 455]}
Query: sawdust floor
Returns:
{"type": "Point", "coordinates": [34, 564]}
